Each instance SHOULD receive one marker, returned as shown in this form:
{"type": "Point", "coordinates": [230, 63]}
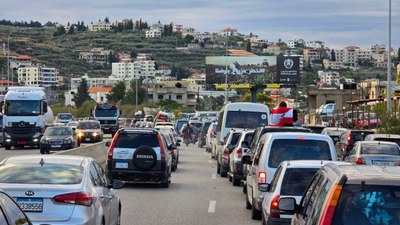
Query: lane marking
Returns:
{"type": "Point", "coordinates": [209, 161]}
{"type": "Point", "coordinates": [214, 176]}
{"type": "Point", "coordinates": [211, 207]}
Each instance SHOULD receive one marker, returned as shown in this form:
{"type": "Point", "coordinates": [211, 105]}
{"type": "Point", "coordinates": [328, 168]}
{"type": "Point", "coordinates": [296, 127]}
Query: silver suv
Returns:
{"type": "Point", "coordinates": [140, 156]}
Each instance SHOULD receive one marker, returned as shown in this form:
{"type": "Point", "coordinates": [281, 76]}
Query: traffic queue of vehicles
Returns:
{"type": "Point", "coordinates": [293, 175]}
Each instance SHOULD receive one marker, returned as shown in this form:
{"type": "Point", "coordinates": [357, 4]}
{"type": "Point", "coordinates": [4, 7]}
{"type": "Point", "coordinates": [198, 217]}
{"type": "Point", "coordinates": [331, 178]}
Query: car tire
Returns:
{"type": "Point", "coordinates": [235, 181]}
{"type": "Point", "coordinates": [42, 151]}
{"type": "Point", "coordinates": [255, 214]}
{"type": "Point", "coordinates": [263, 222]}
{"type": "Point", "coordinates": [7, 147]}
{"type": "Point", "coordinates": [230, 178]}
{"type": "Point", "coordinates": [224, 173]}
{"type": "Point", "coordinates": [119, 215]}
{"type": "Point", "coordinates": [248, 205]}
{"type": "Point", "coordinates": [244, 189]}
{"type": "Point", "coordinates": [218, 168]}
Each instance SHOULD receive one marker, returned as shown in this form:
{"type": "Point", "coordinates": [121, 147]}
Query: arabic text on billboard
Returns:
{"type": "Point", "coordinates": [239, 69]}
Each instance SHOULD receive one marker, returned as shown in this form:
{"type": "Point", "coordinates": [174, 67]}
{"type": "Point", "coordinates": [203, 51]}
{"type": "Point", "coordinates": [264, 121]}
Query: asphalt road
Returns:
{"type": "Point", "coordinates": [197, 195]}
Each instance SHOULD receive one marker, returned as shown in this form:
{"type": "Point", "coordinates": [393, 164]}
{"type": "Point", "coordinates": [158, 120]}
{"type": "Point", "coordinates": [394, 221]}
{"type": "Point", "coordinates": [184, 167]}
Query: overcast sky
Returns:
{"type": "Point", "coordinates": [337, 22]}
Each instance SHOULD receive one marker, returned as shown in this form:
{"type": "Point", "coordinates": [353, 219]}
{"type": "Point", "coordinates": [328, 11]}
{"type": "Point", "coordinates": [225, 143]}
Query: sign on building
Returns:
{"type": "Point", "coordinates": [288, 70]}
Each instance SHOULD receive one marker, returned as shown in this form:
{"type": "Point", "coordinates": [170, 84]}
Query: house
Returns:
{"type": "Point", "coordinates": [99, 94]}
{"type": "Point", "coordinates": [99, 26]}
{"type": "Point", "coordinates": [172, 90]}
{"type": "Point", "coordinates": [228, 32]}
{"type": "Point", "coordinates": [20, 61]}
{"type": "Point", "coordinates": [272, 49]}
{"type": "Point", "coordinates": [96, 55]}
{"type": "Point", "coordinates": [153, 33]}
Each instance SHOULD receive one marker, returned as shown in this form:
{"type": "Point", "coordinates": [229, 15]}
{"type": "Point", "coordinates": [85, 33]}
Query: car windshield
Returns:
{"type": "Point", "coordinates": [65, 116]}
{"type": "Point", "coordinates": [368, 205]}
{"type": "Point", "coordinates": [106, 112]}
{"type": "Point", "coordinates": [234, 139]}
{"type": "Point", "coordinates": [22, 108]}
{"type": "Point", "coordinates": [298, 149]}
{"type": "Point", "coordinates": [57, 131]}
{"type": "Point", "coordinates": [180, 123]}
{"type": "Point", "coordinates": [88, 125]}
{"type": "Point", "coordinates": [383, 149]}
{"type": "Point", "coordinates": [335, 132]}
{"type": "Point", "coordinates": [395, 140]}
{"type": "Point", "coordinates": [245, 119]}
{"type": "Point", "coordinates": [296, 180]}
{"type": "Point", "coordinates": [38, 174]}
{"type": "Point", "coordinates": [135, 140]}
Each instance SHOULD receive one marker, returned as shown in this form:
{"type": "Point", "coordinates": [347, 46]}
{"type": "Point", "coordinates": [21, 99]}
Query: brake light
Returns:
{"type": "Point", "coordinates": [329, 211]}
{"type": "Point", "coordinates": [360, 161]}
{"type": "Point", "coordinates": [161, 147]}
{"type": "Point", "coordinates": [274, 209]}
{"type": "Point", "coordinates": [77, 198]}
{"type": "Point", "coordinates": [111, 149]}
{"type": "Point", "coordinates": [262, 177]}
{"type": "Point", "coordinates": [239, 152]}
{"type": "Point", "coordinates": [226, 151]}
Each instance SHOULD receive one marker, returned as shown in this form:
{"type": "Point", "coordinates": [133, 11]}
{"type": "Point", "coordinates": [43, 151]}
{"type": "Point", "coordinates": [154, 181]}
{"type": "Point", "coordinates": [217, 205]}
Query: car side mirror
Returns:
{"type": "Point", "coordinates": [178, 141]}
{"type": "Point", "coordinates": [220, 143]}
{"type": "Point", "coordinates": [264, 187]}
{"type": "Point", "coordinates": [117, 184]}
{"type": "Point", "coordinates": [44, 107]}
{"type": "Point", "coordinates": [287, 204]}
{"type": "Point", "coordinates": [171, 147]}
{"type": "Point", "coordinates": [246, 160]}
{"type": "Point", "coordinates": [108, 144]}
{"type": "Point", "coordinates": [178, 144]}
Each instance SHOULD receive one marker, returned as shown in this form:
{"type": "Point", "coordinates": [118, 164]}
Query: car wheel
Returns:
{"type": "Point", "coordinates": [248, 205]}
{"type": "Point", "coordinates": [218, 168]}
{"type": "Point", "coordinates": [255, 214]}
{"type": "Point", "coordinates": [230, 179]}
{"type": "Point", "coordinates": [165, 184]}
{"type": "Point", "coordinates": [263, 222]}
{"type": "Point", "coordinates": [119, 215]}
{"type": "Point", "coordinates": [7, 147]}
{"type": "Point", "coordinates": [224, 173]}
{"type": "Point", "coordinates": [235, 182]}
{"type": "Point", "coordinates": [42, 151]}
{"type": "Point", "coordinates": [244, 189]}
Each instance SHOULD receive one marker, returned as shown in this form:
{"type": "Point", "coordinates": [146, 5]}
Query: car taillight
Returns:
{"type": "Point", "coordinates": [77, 198]}
{"type": "Point", "coordinates": [239, 152]}
{"type": "Point", "coordinates": [262, 177]}
{"type": "Point", "coordinates": [360, 161]}
{"type": "Point", "coordinates": [226, 151]}
{"type": "Point", "coordinates": [111, 149]}
{"type": "Point", "coordinates": [348, 140]}
{"type": "Point", "coordinates": [274, 210]}
{"type": "Point", "coordinates": [161, 147]}
{"type": "Point", "coordinates": [329, 211]}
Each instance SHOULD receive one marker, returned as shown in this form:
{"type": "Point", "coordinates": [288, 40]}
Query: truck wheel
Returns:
{"type": "Point", "coordinates": [7, 147]}
{"type": "Point", "coordinates": [42, 151]}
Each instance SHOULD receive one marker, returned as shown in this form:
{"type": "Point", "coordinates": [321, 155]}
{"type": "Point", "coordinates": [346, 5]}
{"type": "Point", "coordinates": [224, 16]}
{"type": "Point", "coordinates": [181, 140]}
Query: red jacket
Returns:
{"type": "Point", "coordinates": [281, 116]}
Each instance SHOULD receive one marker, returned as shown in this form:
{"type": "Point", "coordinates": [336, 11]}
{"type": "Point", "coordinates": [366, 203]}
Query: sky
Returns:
{"type": "Point", "coordinates": [337, 22]}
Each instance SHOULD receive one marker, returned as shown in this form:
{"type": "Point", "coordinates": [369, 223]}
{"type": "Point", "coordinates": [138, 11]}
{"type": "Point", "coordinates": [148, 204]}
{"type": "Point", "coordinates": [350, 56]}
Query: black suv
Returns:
{"type": "Point", "coordinates": [348, 194]}
{"type": "Point", "coordinates": [140, 156]}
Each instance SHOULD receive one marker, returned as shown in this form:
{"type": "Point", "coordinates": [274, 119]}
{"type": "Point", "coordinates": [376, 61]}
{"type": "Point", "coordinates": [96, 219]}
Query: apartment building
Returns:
{"type": "Point", "coordinates": [172, 90]}
{"type": "Point", "coordinates": [378, 49]}
{"type": "Point", "coordinates": [98, 26]}
{"type": "Point", "coordinates": [42, 76]}
{"type": "Point", "coordinates": [20, 61]}
{"type": "Point", "coordinates": [177, 28]}
{"type": "Point", "coordinates": [294, 43]}
{"type": "Point", "coordinates": [314, 44]}
{"type": "Point", "coordinates": [311, 54]}
{"type": "Point", "coordinates": [97, 81]}
{"type": "Point", "coordinates": [330, 78]}
{"type": "Point", "coordinates": [134, 70]}
{"type": "Point", "coordinates": [96, 55]}
{"type": "Point", "coordinates": [188, 31]}
{"type": "Point", "coordinates": [153, 33]}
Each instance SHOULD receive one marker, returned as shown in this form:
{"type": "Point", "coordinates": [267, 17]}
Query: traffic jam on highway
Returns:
{"type": "Point", "coordinates": [288, 174]}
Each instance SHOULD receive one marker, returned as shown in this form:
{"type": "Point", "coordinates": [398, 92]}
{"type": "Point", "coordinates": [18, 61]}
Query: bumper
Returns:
{"type": "Point", "coordinates": [89, 139]}
{"type": "Point", "coordinates": [21, 141]}
{"type": "Point", "coordinates": [57, 147]}
{"type": "Point", "coordinates": [278, 221]}
{"type": "Point", "coordinates": [136, 176]}
{"type": "Point", "coordinates": [109, 130]}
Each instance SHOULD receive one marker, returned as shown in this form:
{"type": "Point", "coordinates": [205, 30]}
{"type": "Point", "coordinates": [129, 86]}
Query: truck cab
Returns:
{"type": "Point", "coordinates": [107, 115]}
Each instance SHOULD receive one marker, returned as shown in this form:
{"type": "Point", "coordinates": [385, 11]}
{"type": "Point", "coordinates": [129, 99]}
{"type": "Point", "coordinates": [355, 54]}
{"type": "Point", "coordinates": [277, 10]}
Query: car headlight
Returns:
{"type": "Point", "coordinates": [80, 134]}
{"type": "Point", "coordinates": [95, 134]}
{"type": "Point", "coordinates": [37, 135]}
{"type": "Point", "coordinates": [68, 140]}
{"type": "Point", "coordinates": [44, 140]}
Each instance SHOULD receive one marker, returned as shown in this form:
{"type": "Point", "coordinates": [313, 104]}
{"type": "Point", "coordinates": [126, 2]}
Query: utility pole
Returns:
{"type": "Point", "coordinates": [389, 69]}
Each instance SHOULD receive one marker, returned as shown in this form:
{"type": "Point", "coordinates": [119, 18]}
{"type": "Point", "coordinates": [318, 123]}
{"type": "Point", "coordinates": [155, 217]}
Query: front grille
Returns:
{"type": "Point", "coordinates": [108, 121]}
{"type": "Point", "coordinates": [21, 131]}
{"type": "Point", "coordinates": [55, 142]}
{"type": "Point", "coordinates": [22, 124]}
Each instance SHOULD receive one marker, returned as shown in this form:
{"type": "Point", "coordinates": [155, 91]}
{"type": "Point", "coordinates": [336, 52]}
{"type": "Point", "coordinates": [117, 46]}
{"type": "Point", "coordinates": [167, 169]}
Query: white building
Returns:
{"type": "Point", "coordinates": [96, 55]}
{"type": "Point", "coordinates": [314, 44]}
{"type": "Point", "coordinates": [172, 90]}
{"type": "Point", "coordinates": [97, 81]}
{"type": "Point", "coordinates": [188, 31]}
{"type": "Point", "coordinates": [20, 61]}
{"type": "Point", "coordinates": [330, 78]}
{"type": "Point", "coordinates": [42, 76]}
{"type": "Point", "coordinates": [228, 32]}
{"type": "Point", "coordinates": [294, 43]}
{"type": "Point", "coordinates": [311, 54]}
{"type": "Point", "coordinates": [153, 33]}
{"type": "Point", "coordinates": [134, 70]}
{"type": "Point", "coordinates": [100, 25]}
{"type": "Point", "coordinates": [99, 94]}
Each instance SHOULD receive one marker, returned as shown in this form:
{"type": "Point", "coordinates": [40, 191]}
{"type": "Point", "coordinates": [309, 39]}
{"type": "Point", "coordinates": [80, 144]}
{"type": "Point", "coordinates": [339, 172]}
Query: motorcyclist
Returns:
{"type": "Point", "coordinates": [187, 133]}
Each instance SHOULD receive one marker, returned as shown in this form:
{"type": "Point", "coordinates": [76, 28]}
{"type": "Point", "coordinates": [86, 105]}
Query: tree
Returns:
{"type": "Point", "coordinates": [117, 92]}
{"type": "Point", "coordinates": [188, 38]}
{"type": "Point", "coordinates": [333, 55]}
{"type": "Point", "coordinates": [106, 20]}
{"type": "Point", "coordinates": [130, 95]}
{"type": "Point", "coordinates": [82, 95]}
{"type": "Point", "coordinates": [60, 31]}
{"type": "Point", "coordinates": [248, 46]}
{"type": "Point", "coordinates": [71, 29]}
{"type": "Point", "coordinates": [134, 54]}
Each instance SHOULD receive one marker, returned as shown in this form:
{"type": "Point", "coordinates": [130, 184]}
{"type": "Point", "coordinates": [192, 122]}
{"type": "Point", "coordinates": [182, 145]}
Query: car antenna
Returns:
{"type": "Point", "coordinates": [41, 162]}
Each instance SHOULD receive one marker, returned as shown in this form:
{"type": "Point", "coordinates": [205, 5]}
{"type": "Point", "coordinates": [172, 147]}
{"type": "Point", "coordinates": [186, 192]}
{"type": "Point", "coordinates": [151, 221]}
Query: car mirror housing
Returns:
{"type": "Point", "coordinates": [263, 187]}
{"type": "Point", "coordinates": [117, 184]}
{"type": "Point", "coordinates": [287, 204]}
{"type": "Point", "coordinates": [108, 144]}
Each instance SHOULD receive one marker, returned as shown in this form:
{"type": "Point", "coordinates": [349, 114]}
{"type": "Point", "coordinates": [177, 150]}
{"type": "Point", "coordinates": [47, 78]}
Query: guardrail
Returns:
{"type": "Point", "coordinates": [97, 151]}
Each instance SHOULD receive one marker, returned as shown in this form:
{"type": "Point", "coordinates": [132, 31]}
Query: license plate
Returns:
{"type": "Point", "coordinates": [121, 165]}
{"type": "Point", "coordinates": [106, 128]}
{"type": "Point", "coordinates": [87, 139]}
{"type": "Point", "coordinates": [21, 142]}
{"type": "Point", "coordinates": [383, 163]}
{"type": "Point", "coordinates": [56, 146]}
{"type": "Point", "coordinates": [30, 204]}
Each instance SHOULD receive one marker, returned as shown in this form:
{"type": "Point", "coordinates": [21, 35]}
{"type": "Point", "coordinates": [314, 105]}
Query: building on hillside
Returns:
{"type": "Point", "coordinates": [235, 52]}
{"type": "Point", "coordinates": [153, 33]}
{"type": "Point", "coordinates": [330, 78]}
{"type": "Point", "coordinates": [378, 49]}
{"type": "Point", "coordinates": [98, 81]}
{"type": "Point", "coordinates": [314, 44]}
{"type": "Point", "coordinates": [272, 49]}
{"type": "Point", "coordinates": [124, 57]}
{"type": "Point", "coordinates": [162, 78]}
{"type": "Point", "coordinates": [163, 71]}
{"type": "Point", "coordinates": [134, 70]}
{"type": "Point", "coordinates": [41, 76]}
{"type": "Point", "coordinates": [177, 28]}
{"type": "Point", "coordinates": [20, 61]}
{"type": "Point", "coordinates": [311, 54]}
{"type": "Point", "coordinates": [99, 94]}
{"type": "Point", "coordinates": [188, 31]}
{"type": "Point", "coordinates": [99, 26]}
{"type": "Point", "coordinates": [96, 55]}
{"type": "Point", "coordinates": [172, 90]}
{"type": "Point", "coordinates": [295, 43]}
{"type": "Point", "coordinates": [228, 32]}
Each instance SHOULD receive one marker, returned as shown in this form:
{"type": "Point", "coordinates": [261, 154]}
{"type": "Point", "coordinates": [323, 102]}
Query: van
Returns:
{"type": "Point", "coordinates": [271, 150]}
{"type": "Point", "coordinates": [239, 115]}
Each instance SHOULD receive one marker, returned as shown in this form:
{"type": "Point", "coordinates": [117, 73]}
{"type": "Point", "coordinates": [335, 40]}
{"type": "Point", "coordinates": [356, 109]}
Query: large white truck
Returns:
{"type": "Point", "coordinates": [26, 115]}
{"type": "Point", "coordinates": [107, 115]}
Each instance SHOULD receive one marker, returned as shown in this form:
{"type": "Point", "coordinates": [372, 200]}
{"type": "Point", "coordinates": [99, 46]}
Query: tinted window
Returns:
{"type": "Point", "coordinates": [12, 211]}
{"type": "Point", "coordinates": [56, 131]}
{"type": "Point", "coordinates": [395, 140]}
{"type": "Point", "coordinates": [235, 138]}
{"type": "Point", "coordinates": [1, 119]}
{"type": "Point", "coordinates": [296, 181]}
{"type": "Point", "coordinates": [248, 137]}
{"type": "Point", "coordinates": [294, 149]}
{"type": "Point", "coordinates": [37, 174]}
{"type": "Point", "coordinates": [334, 132]}
{"type": "Point", "coordinates": [205, 127]}
{"type": "Point", "coordinates": [359, 135]}
{"type": "Point", "coordinates": [135, 140]}
{"type": "Point", "coordinates": [106, 112]}
{"type": "Point", "coordinates": [65, 116]}
{"type": "Point", "coordinates": [380, 149]}
{"type": "Point", "coordinates": [370, 204]}
{"type": "Point", "coordinates": [88, 125]}
{"type": "Point", "coordinates": [243, 119]}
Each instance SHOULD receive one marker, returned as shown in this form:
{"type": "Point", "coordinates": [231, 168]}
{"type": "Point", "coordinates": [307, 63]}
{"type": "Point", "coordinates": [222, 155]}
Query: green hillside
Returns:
{"type": "Point", "coordinates": [62, 51]}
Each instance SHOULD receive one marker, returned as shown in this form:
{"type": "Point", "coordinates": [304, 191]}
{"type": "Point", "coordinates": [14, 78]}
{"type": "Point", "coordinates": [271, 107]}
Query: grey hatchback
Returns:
{"type": "Point", "coordinates": [140, 156]}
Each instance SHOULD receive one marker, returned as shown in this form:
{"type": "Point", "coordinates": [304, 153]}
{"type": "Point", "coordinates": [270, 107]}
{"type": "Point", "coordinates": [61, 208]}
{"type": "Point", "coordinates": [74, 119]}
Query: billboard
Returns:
{"type": "Point", "coordinates": [239, 69]}
{"type": "Point", "coordinates": [288, 70]}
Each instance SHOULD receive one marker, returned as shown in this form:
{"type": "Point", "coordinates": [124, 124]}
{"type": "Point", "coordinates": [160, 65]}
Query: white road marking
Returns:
{"type": "Point", "coordinates": [211, 207]}
{"type": "Point", "coordinates": [209, 161]}
{"type": "Point", "coordinates": [213, 176]}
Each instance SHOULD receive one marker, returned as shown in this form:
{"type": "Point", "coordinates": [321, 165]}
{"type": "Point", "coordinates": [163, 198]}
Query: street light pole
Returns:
{"type": "Point", "coordinates": [389, 69]}
{"type": "Point", "coordinates": [136, 97]}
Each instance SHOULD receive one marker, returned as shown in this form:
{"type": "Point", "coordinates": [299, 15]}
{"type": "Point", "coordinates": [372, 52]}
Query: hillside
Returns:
{"type": "Point", "coordinates": [62, 51]}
